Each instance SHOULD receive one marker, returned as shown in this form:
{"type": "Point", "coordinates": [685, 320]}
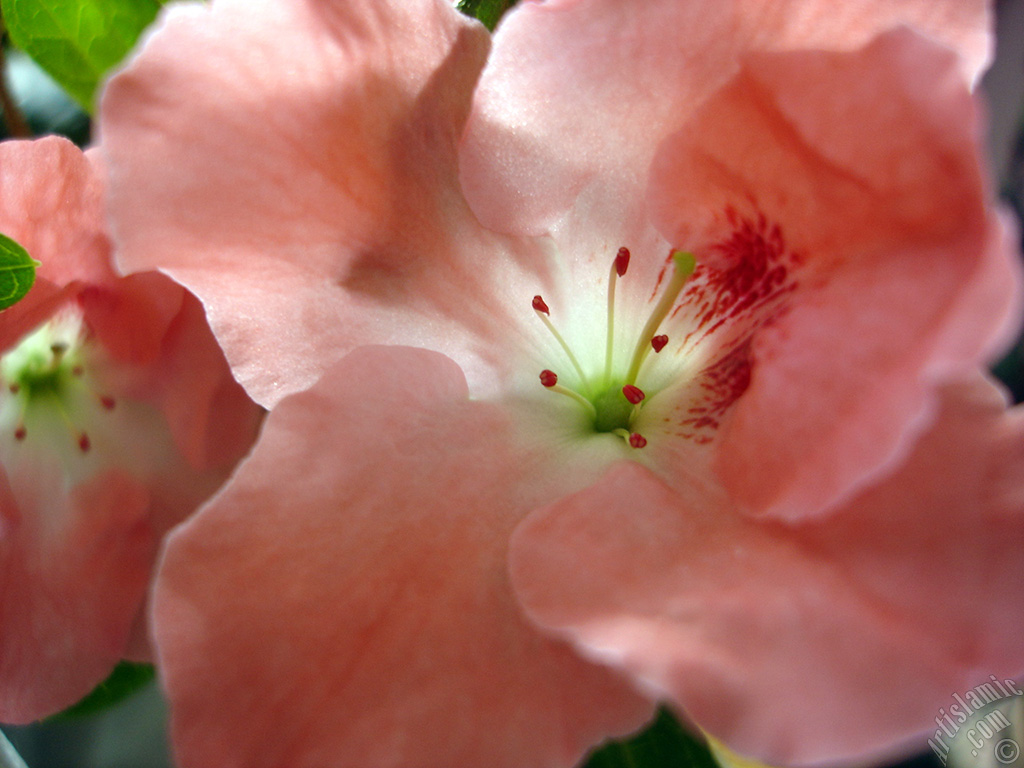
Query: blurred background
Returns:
{"type": "Point", "coordinates": [131, 734]}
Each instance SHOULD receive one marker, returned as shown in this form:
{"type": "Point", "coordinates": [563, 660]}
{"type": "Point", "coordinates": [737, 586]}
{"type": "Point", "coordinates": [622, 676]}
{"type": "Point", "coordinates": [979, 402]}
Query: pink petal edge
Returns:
{"type": "Point", "coordinates": [344, 599]}
{"type": "Point", "coordinates": [737, 621]}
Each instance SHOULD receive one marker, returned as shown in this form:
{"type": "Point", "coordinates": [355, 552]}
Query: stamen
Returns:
{"type": "Point", "coordinates": [622, 261]}
{"type": "Point", "coordinates": [633, 394]}
{"type": "Point", "coordinates": [684, 265]}
{"type": "Point", "coordinates": [635, 439]}
{"type": "Point", "coordinates": [84, 443]}
{"type": "Point", "coordinates": [550, 380]}
{"type": "Point", "coordinates": [14, 389]}
{"type": "Point", "coordinates": [658, 343]}
{"type": "Point", "coordinates": [542, 313]}
{"type": "Point", "coordinates": [20, 432]}
{"type": "Point", "coordinates": [619, 266]}
{"type": "Point", "coordinates": [107, 402]}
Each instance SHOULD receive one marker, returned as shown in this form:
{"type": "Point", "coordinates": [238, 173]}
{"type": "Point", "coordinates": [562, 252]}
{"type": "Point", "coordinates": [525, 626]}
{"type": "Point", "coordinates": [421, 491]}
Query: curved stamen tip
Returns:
{"type": "Point", "coordinates": [622, 261]}
{"type": "Point", "coordinates": [637, 440]}
{"type": "Point", "coordinates": [658, 342]}
{"type": "Point", "coordinates": [633, 393]}
{"type": "Point", "coordinates": [685, 262]}
{"type": "Point", "coordinates": [548, 378]}
{"type": "Point", "coordinates": [540, 306]}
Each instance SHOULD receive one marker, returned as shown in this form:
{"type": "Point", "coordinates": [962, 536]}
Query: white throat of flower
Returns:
{"type": "Point", "coordinates": [48, 391]}
{"type": "Point", "coordinates": [612, 402]}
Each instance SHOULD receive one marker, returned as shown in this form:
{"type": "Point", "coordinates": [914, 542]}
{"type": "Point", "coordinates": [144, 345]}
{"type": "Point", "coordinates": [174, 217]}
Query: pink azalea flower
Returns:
{"type": "Point", "coordinates": [118, 415]}
{"type": "Point", "coordinates": [737, 482]}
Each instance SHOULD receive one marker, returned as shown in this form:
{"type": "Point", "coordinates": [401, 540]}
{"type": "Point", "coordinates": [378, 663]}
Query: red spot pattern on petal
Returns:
{"type": "Point", "coordinates": [720, 385]}
{"type": "Point", "coordinates": [743, 279]}
{"type": "Point", "coordinates": [743, 283]}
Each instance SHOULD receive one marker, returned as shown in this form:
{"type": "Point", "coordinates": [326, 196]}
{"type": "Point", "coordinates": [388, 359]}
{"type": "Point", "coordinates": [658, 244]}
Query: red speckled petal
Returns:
{"type": "Point", "coordinates": [854, 241]}
{"type": "Point", "coordinates": [345, 602]}
{"type": "Point", "coordinates": [835, 640]}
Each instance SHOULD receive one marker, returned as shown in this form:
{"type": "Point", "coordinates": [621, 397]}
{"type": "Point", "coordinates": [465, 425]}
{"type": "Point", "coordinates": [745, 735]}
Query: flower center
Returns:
{"type": "Point", "coordinates": [614, 403]}
{"type": "Point", "coordinates": [46, 384]}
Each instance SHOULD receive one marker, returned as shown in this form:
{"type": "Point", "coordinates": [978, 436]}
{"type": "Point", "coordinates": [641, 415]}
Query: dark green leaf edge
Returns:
{"type": "Point", "coordinates": [126, 679]}
{"type": "Point", "coordinates": [17, 272]}
{"type": "Point", "coordinates": [77, 44]}
{"type": "Point", "coordinates": [663, 744]}
{"type": "Point", "coordinates": [489, 12]}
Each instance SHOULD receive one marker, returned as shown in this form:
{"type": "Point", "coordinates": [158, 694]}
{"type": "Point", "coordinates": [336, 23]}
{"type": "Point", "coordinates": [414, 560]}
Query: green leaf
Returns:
{"type": "Point", "coordinates": [664, 744]}
{"type": "Point", "coordinates": [487, 11]}
{"type": "Point", "coordinates": [17, 272]}
{"type": "Point", "coordinates": [126, 679]}
{"type": "Point", "coordinates": [77, 41]}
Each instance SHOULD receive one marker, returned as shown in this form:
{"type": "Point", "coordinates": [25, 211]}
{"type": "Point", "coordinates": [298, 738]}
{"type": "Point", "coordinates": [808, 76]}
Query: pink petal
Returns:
{"type": "Point", "coordinates": [344, 600]}
{"type": "Point", "coordinates": [73, 569]}
{"type": "Point", "coordinates": [332, 179]}
{"type": "Point", "coordinates": [51, 204]}
{"type": "Point", "coordinates": [899, 275]}
{"type": "Point", "coordinates": [165, 422]}
{"type": "Point", "coordinates": [579, 90]}
{"type": "Point", "coordinates": [837, 639]}
{"type": "Point", "coordinates": [184, 372]}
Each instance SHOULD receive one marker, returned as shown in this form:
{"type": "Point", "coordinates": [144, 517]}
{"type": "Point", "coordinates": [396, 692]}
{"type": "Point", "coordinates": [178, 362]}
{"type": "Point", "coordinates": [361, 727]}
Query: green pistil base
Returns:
{"type": "Point", "coordinates": [613, 410]}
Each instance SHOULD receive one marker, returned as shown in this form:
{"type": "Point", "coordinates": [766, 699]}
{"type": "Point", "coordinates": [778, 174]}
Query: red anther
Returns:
{"type": "Point", "coordinates": [77, 370]}
{"type": "Point", "coordinates": [633, 394]}
{"type": "Point", "coordinates": [622, 261]}
{"type": "Point", "coordinates": [540, 306]}
{"type": "Point", "coordinates": [637, 440]}
{"type": "Point", "coordinates": [107, 402]}
{"type": "Point", "coordinates": [658, 342]}
{"type": "Point", "coordinates": [14, 389]}
{"type": "Point", "coordinates": [84, 444]}
{"type": "Point", "coordinates": [19, 433]}
{"type": "Point", "coordinates": [548, 378]}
